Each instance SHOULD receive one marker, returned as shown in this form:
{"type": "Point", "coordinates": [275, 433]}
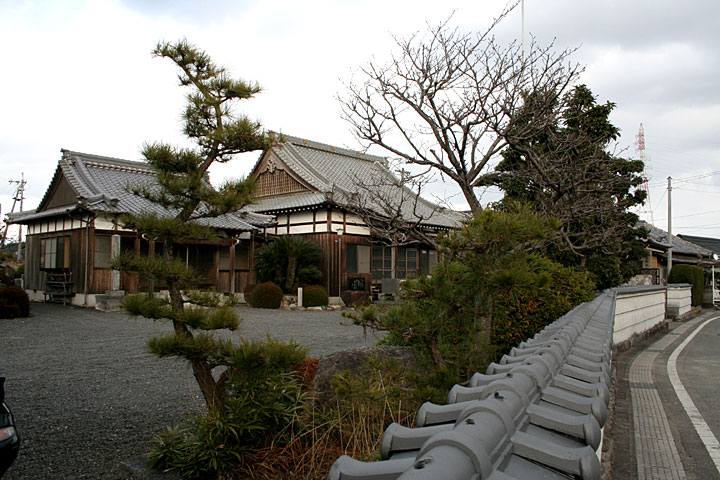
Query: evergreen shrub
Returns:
{"type": "Point", "coordinates": [248, 289]}
{"type": "Point", "coordinates": [693, 275]}
{"type": "Point", "coordinates": [14, 302]}
{"type": "Point", "coordinates": [521, 313]}
{"type": "Point", "coordinates": [265, 396]}
{"type": "Point", "coordinates": [315, 296]}
{"type": "Point", "coordinates": [266, 295]}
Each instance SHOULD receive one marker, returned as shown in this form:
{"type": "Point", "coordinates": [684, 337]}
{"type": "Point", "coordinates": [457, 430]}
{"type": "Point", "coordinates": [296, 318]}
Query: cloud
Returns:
{"type": "Point", "coordinates": [79, 74]}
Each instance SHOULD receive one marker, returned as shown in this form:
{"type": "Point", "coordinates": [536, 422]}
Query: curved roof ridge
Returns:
{"type": "Point", "coordinates": [109, 162]}
{"type": "Point", "coordinates": [79, 177]}
{"type": "Point", "coordinates": [318, 180]}
{"type": "Point", "coordinates": [304, 142]}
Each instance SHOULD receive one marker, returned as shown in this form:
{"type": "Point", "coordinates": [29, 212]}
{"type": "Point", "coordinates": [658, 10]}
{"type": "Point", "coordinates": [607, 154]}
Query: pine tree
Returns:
{"type": "Point", "coordinates": [189, 199]}
{"type": "Point", "coordinates": [567, 171]}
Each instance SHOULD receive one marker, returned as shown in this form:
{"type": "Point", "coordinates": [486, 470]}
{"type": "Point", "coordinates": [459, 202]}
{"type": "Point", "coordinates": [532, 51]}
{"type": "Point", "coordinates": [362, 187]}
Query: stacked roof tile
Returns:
{"type": "Point", "coordinates": [336, 174]}
{"type": "Point", "coordinates": [104, 185]}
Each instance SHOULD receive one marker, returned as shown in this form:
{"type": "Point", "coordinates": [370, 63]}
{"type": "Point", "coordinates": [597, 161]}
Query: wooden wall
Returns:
{"type": "Point", "coordinates": [35, 278]}
{"type": "Point", "coordinates": [331, 266]}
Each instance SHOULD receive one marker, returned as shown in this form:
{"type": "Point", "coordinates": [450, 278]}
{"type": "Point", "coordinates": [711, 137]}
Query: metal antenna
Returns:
{"type": "Point", "coordinates": [522, 12]}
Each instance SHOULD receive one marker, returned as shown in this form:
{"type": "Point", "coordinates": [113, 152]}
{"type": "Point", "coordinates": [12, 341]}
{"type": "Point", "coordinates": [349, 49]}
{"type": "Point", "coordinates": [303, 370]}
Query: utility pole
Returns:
{"type": "Point", "coordinates": [669, 256]}
{"type": "Point", "coordinates": [19, 197]}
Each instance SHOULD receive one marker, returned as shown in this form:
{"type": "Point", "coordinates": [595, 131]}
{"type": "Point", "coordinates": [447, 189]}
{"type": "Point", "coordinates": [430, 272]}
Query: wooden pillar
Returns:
{"type": "Point", "coordinates": [151, 254]}
{"type": "Point", "coordinates": [251, 260]}
{"type": "Point", "coordinates": [114, 252]}
{"type": "Point", "coordinates": [233, 241]}
{"type": "Point", "coordinates": [216, 266]}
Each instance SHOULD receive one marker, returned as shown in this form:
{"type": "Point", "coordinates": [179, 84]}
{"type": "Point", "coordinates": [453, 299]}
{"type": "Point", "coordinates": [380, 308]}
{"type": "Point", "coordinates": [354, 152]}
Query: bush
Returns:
{"type": "Point", "coordinates": [219, 442]}
{"type": "Point", "coordinates": [248, 289]}
{"type": "Point", "coordinates": [356, 299]}
{"type": "Point", "coordinates": [265, 396]}
{"type": "Point", "coordinates": [438, 322]}
{"type": "Point", "coordinates": [266, 295]}
{"type": "Point", "coordinates": [14, 302]}
{"type": "Point", "coordinates": [693, 275]}
{"type": "Point", "coordinates": [522, 312]}
{"type": "Point", "coordinates": [490, 289]}
{"type": "Point", "coordinates": [315, 296]}
{"type": "Point", "coordinates": [6, 275]}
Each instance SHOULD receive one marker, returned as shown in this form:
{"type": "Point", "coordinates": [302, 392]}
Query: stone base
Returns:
{"type": "Point", "coordinates": [110, 302]}
{"type": "Point", "coordinates": [661, 327]}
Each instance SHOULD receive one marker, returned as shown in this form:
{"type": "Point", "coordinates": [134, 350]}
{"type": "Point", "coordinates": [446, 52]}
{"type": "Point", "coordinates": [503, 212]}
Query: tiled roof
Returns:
{"type": "Point", "coordinates": [338, 172]}
{"type": "Point", "coordinates": [712, 244]}
{"type": "Point", "coordinates": [659, 238]}
{"type": "Point", "coordinates": [289, 202]}
{"type": "Point", "coordinates": [102, 184]}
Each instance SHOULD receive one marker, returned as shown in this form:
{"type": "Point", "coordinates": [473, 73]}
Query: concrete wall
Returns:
{"type": "Point", "coordinates": [637, 310]}
{"type": "Point", "coordinates": [679, 299]}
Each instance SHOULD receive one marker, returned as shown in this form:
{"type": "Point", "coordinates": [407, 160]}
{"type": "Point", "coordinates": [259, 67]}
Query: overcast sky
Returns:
{"type": "Point", "coordinates": [79, 75]}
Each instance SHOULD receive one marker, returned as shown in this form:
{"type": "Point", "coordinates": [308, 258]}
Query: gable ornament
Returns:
{"type": "Point", "coordinates": [271, 166]}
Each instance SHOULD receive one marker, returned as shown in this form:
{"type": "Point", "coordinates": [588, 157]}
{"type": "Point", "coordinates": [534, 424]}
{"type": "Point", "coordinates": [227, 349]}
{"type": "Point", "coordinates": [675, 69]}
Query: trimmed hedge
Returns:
{"type": "Point", "coordinates": [693, 275]}
{"type": "Point", "coordinates": [14, 302]}
{"type": "Point", "coordinates": [315, 296]}
{"type": "Point", "coordinates": [266, 295]}
{"type": "Point", "coordinates": [248, 290]}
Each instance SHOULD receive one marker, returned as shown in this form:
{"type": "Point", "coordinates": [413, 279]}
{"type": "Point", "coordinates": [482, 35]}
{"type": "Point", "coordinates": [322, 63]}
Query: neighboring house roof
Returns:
{"type": "Point", "coordinates": [326, 174]}
{"type": "Point", "coordinates": [102, 184]}
{"type": "Point", "coordinates": [659, 239]}
{"type": "Point", "coordinates": [712, 244]}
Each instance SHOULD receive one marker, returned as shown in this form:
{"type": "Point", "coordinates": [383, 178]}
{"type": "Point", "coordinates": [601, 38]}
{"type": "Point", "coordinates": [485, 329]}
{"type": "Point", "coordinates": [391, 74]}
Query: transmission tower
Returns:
{"type": "Point", "coordinates": [647, 207]}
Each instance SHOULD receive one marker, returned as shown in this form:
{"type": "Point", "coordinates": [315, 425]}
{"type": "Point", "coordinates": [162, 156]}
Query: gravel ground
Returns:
{"type": "Point", "coordinates": [87, 396]}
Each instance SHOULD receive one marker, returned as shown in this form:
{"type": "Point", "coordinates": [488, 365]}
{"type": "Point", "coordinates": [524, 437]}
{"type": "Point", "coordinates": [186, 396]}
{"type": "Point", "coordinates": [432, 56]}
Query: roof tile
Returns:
{"type": "Point", "coordinates": [104, 184]}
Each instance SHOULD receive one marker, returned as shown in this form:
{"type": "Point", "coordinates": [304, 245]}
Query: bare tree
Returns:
{"type": "Point", "coordinates": [447, 100]}
{"type": "Point", "coordinates": [392, 207]}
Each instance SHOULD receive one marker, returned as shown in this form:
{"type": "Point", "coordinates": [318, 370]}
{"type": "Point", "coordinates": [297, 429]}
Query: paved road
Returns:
{"type": "Point", "coordinates": [86, 395]}
{"type": "Point", "coordinates": [698, 368]}
{"type": "Point", "coordinates": [654, 436]}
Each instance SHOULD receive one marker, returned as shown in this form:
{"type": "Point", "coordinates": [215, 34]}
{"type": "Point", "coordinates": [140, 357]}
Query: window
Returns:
{"type": "Point", "coordinates": [55, 252]}
{"type": "Point", "coordinates": [357, 258]}
{"type": "Point", "coordinates": [407, 264]}
{"type": "Point", "coordinates": [103, 252]}
{"type": "Point", "coordinates": [428, 261]}
{"type": "Point", "coordinates": [382, 262]}
{"type": "Point", "coordinates": [103, 249]}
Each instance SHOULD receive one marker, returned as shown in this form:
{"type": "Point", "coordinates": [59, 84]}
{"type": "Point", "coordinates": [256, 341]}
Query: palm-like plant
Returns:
{"type": "Point", "coordinates": [287, 260]}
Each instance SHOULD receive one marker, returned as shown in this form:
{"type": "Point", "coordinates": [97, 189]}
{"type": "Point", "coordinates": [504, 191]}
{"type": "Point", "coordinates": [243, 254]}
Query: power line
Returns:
{"type": "Point", "coordinates": [661, 199]}
{"type": "Point", "coordinates": [711, 226]}
{"type": "Point", "coordinates": [684, 189]}
{"type": "Point", "coordinates": [692, 214]}
{"type": "Point", "coordinates": [698, 183]}
{"type": "Point", "coordinates": [687, 179]}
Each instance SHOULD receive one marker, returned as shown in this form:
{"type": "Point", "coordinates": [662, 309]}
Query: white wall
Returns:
{"type": "Point", "coordinates": [679, 299]}
{"type": "Point", "coordinates": [637, 310]}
